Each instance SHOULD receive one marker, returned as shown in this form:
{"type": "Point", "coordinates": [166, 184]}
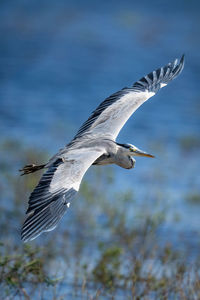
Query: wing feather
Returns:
{"type": "Point", "coordinates": [114, 111]}
{"type": "Point", "coordinates": [55, 190]}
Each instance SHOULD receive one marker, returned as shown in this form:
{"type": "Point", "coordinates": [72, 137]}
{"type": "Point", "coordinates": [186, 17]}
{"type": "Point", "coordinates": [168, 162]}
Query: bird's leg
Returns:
{"type": "Point", "coordinates": [31, 169]}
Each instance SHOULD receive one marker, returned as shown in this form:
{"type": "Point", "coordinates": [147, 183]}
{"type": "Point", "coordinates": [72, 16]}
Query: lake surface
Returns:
{"type": "Point", "coordinates": [59, 60]}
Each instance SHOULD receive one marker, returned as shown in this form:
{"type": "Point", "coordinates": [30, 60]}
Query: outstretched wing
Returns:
{"type": "Point", "coordinates": [57, 187]}
{"type": "Point", "coordinates": [110, 116]}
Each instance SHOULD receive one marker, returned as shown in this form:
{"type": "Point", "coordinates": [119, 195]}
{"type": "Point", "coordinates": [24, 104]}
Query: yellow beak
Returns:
{"type": "Point", "coordinates": [142, 153]}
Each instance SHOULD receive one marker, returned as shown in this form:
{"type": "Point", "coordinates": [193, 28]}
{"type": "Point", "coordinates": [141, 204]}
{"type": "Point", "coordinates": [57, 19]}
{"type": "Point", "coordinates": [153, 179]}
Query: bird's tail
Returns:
{"type": "Point", "coordinates": [31, 169]}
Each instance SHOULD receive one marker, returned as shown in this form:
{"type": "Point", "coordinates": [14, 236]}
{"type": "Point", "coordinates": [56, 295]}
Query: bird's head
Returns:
{"type": "Point", "coordinates": [134, 151]}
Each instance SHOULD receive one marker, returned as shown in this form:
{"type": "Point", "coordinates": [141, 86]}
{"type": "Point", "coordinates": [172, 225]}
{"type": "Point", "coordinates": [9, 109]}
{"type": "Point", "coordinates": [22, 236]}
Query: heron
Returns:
{"type": "Point", "coordinates": [94, 144]}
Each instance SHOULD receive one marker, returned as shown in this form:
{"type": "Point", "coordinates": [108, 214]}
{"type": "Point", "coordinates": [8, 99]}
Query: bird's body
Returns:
{"type": "Point", "coordinates": [113, 153]}
{"type": "Point", "coordinates": [94, 144]}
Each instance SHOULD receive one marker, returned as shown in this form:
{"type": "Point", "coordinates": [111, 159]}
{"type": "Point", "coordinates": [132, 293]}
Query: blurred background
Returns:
{"type": "Point", "coordinates": [128, 233]}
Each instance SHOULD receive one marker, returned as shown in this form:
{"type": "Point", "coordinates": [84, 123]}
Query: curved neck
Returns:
{"type": "Point", "coordinates": [123, 158]}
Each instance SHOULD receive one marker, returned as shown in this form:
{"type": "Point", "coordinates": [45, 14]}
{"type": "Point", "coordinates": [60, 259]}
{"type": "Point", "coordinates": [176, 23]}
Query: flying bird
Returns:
{"type": "Point", "coordinates": [94, 144]}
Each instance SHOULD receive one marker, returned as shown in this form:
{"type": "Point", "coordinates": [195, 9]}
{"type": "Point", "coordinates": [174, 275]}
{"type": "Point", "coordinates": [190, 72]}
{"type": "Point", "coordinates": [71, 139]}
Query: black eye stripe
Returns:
{"type": "Point", "coordinates": [124, 145]}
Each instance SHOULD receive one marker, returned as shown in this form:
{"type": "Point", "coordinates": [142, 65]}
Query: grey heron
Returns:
{"type": "Point", "coordinates": [94, 144]}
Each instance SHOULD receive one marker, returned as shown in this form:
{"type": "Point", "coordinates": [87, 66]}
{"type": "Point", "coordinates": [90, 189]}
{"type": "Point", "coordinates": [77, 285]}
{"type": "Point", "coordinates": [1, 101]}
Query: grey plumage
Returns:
{"type": "Point", "coordinates": [93, 144]}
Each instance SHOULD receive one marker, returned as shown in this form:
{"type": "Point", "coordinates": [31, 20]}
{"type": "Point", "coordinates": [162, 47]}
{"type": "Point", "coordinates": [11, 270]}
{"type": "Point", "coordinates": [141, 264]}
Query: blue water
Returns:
{"type": "Point", "coordinates": [60, 59]}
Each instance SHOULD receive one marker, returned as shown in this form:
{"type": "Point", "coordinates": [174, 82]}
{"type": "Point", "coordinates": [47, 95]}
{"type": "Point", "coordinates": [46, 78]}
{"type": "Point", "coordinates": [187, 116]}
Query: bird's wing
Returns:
{"type": "Point", "coordinates": [111, 115]}
{"type": "Point", "coordinates": [55, 190]}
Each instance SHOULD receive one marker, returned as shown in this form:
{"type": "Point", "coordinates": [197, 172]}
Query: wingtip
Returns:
{"type": "Point", "coordinates": [181, 64]}
{"type": "Point", "coordinates": [177, 67]}
{"type": "Point", "coordinates": [182, 60]}
{"type": "Point", "coordinates": [24, 239]}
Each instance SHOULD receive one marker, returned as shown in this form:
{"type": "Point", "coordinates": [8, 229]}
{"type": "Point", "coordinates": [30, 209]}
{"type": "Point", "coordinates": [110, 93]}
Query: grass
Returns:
{"type": "Point", "coordinates": [101, 250]}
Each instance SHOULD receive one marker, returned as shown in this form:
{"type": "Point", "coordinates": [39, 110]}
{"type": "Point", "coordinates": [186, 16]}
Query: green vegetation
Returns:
{"type": "Point", "coordinates": [193, 198]}
{"type": "Point", "coordinates": [189, 143]}
{"type": "Point", "coordinates": [23, 268]}
{"type": "Point", "coordinates": [103, 248]}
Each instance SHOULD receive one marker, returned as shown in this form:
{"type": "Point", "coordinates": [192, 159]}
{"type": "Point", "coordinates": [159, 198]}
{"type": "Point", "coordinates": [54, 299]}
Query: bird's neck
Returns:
{"type": "Point", "coordinates": [121, 151]}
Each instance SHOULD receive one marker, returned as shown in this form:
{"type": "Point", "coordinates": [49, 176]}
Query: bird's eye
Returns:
{"type": "Point", "coordinates": [131, 149]}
